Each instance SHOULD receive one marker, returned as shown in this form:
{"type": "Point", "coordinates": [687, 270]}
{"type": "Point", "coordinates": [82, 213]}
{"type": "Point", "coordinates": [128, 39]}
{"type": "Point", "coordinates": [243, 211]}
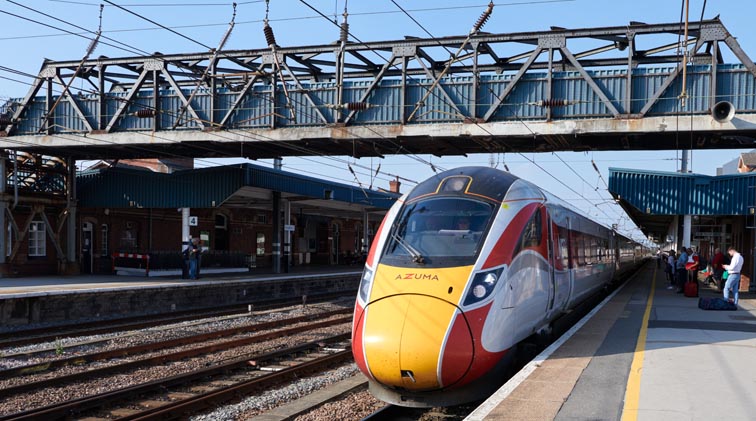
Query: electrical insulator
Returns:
{"type": "Point", "coordinates": [344, 32]}
{"type": "Point", "coordinates": [483, 18]}
{"type": "Point", "coordinates": [146, 113]}
{"type": "Point", "coordinates": [357, 106]}
{"type": "Point", "coordinates": [549, 103]}
{"type": "Point", "coordinates": [270, 37]}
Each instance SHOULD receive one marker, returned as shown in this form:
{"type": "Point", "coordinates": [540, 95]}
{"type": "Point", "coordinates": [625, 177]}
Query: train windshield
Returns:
{"type": "Point", "coordinates": [443, 231]}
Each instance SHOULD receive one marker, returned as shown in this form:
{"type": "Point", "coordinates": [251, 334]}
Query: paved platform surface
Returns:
{"type": "Point", "coordinates": [45, 285]}
{"type": "Point", "coordinates": [647, 354]}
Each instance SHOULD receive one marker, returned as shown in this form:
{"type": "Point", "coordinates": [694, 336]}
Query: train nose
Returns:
{"type": "Point", "coordinates": [404, 341]}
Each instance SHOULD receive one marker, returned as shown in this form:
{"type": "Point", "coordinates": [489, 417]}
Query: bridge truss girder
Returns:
{"type": "Point", "coordinates": [270, 102]}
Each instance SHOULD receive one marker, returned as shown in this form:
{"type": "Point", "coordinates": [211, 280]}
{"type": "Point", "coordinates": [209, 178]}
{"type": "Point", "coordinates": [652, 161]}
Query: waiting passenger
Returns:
{"type": "Point", "coordinates": [670, 269]}
{"type": "Point", "coordinates": [716, 266]}
{"type": "Point", "coordinates": [733, 275]}
{"type": "Point", "coordinates": [682, 273]}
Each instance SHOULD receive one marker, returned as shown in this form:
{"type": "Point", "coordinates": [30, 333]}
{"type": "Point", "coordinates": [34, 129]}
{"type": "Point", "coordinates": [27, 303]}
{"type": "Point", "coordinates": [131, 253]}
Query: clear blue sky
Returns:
{"type": "Point", "coordinates": [25, 45]}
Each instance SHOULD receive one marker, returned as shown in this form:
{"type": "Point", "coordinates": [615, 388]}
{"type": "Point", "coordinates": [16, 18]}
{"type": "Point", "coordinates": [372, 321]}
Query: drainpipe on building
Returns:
{"type": "Point", "coordinates": [71, 204]}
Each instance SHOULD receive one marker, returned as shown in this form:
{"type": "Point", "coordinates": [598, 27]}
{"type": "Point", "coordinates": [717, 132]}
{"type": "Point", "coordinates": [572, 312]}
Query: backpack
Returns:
{"type": "Point", "coordinates": [716, 303]}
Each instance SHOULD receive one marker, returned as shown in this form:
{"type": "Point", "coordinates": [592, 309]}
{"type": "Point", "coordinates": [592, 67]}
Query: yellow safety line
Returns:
{"type": "Point", "coordinates": [632, 393]}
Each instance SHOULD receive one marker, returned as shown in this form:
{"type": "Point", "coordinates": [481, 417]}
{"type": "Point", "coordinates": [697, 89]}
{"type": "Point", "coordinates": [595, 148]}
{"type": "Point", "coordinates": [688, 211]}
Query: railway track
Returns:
{"type": "Point", "coordinates": [162, 358]}
{"type": "Point", "coordinates": [153, 346]}
{"type": "Point", "coordinates": [170, 398]}
{"type": "Point", "coordinates": [23, 337]}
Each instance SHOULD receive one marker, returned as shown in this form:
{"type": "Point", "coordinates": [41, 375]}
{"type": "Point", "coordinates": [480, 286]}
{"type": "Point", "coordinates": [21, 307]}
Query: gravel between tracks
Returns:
{"type": "Point", "coordinates": [354, 406]}
{"type": "Point", "coordinates": [256, 404]}
{"type": "Point", "coordinates": [64, 392]}
{"type": "Point", "coordinates": [120, 340]}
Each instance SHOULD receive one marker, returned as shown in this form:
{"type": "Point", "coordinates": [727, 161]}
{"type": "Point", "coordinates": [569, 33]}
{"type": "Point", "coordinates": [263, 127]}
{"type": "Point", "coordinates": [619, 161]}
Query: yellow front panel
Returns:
{"type": "Point", "coordinates": [382, 338]}
{"type": "Point", "coordinates": [406, 323]}
{"type": "Point", "coordinates": [423, 334]}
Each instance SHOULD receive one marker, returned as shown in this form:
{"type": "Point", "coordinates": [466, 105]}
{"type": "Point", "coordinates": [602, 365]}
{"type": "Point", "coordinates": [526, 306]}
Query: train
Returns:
{"type": "Point", "coordinates": [463, 268]}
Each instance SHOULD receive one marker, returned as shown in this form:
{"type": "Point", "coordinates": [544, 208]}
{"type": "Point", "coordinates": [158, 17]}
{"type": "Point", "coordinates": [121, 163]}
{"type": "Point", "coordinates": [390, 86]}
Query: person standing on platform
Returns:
{"type": "Point", "coordinates": [193, 258]}
{"type": "Point", "coordinates": [671, 269]}
{"type": "Point", "coordinates": [733, 275]}
{"type": "Point", "coordinates": [682, 273]}
{"type": "Point", "coordinates": [716, 267]}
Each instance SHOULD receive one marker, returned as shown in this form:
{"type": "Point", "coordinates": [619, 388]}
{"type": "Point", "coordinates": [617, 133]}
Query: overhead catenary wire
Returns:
{"type": "Point", "coordinates": [189, 38]}
{"type": "Point", "coordinates": [306, 151]}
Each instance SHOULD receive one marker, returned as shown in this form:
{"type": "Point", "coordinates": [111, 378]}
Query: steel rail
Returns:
{"type": "Point", "coordinates": [48, 334]}
{"type": "Point", "coordinates": [77, 406]}
{"type": "Point", "coordinates": [151, 361]}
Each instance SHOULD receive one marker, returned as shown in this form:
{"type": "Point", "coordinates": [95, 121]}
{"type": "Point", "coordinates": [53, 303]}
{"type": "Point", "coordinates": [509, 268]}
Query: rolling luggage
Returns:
{"type": "Point", "coordinates": [691, 289]}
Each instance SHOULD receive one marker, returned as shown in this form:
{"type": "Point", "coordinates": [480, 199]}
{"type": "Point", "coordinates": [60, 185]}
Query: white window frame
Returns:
{"type": "Point", "coordinates": [37, 239]}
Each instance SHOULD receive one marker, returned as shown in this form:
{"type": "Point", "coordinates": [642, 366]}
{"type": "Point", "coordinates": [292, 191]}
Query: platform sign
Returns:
{"type": "Point", "coordinates": [193, 221]}
{"type": "Point", "coordinates": [288, 227]}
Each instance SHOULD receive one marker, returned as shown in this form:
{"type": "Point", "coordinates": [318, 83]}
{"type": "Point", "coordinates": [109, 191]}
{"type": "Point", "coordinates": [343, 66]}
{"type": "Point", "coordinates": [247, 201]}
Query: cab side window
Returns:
{"type": "Point", "coordinates": [531, 233]}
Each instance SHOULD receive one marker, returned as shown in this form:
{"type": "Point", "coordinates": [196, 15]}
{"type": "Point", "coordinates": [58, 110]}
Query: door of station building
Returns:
{"type": "Point", "coordinates": [87, 236]}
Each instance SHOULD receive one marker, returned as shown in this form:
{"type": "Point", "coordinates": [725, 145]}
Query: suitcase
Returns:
{"type": "Point", "coordinates": [691, 289]}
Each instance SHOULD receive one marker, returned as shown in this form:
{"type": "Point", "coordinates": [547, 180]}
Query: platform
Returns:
{"type": "Point", "coordinates": [46, 285]}
{"type": "Point", "coordinates": [646, 353]}
{"type": "Point", "coordinates": [67, 299]}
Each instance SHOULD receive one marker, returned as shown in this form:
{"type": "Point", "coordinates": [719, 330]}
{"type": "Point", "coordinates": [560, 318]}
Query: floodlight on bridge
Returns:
{"type": "Point", "coordinates": [723, 112]}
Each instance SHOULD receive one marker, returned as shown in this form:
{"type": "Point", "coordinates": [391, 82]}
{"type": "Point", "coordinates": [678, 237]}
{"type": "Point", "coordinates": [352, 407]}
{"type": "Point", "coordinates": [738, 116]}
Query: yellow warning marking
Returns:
{"type": "Point", "coordinates": [632, 393]}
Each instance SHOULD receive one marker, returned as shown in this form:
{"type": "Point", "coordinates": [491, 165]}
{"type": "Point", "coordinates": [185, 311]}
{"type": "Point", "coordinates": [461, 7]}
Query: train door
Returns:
{"type": "Point", "coordinates": [570, 260]}
{"type": "Point", "coordinates": [550, 246]}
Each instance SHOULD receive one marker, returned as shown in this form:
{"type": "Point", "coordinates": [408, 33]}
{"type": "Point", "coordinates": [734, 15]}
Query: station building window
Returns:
{"type": "Point", "coordinates": [260, 244]}
{"type": "Point", "coordinates": [104, 237]}
{"type": "Point", "coordinates": [37, 244]}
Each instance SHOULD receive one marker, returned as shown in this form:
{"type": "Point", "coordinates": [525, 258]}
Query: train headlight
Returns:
{"type": "Point", "coordinates": [365, 284]}
{"type": "Point", "coordinates": [483, 285]}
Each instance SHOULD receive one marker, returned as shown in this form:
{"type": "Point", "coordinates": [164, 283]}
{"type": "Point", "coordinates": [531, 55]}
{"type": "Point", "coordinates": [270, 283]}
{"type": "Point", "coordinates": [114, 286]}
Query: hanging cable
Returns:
{"type": "Point", "coordinates": [210, 65]}
{"type": "Point", "coordinates": [90, 50]}
{"type": "Point", "coordinates": [453, 59]}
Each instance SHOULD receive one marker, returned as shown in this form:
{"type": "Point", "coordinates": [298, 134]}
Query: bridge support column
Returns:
{"type": "Point", "coordinates": [185, 235]}
{"type": "Point", "coordinates": [3, 209]}
{"type": "Point", "coordinates": [687, 223]}
{"type": "Point", "coordinates": [71, 223]}
{"type": "Point", "coordinates": [185, 240]}
{"type": "Point", "coordinates": [287, 236]}
{"type": "Point", "coordinates": [276, 232]}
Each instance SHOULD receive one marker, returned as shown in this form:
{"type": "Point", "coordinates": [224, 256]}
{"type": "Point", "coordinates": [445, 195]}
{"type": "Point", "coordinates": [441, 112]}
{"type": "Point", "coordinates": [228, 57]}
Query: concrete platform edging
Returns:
{"type": "Point", "coordinates": [495, 399]}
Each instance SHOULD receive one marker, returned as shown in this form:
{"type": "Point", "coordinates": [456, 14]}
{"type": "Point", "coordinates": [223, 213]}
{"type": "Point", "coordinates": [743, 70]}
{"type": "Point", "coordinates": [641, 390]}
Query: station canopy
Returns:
{"type": "Point", "coordinates": [230, 186]}
{"type": "Point", "coordinates": [654, 198]}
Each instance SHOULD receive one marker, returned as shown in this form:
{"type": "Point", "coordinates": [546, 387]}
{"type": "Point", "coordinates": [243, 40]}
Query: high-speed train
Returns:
{"type": "Point", "coordinates": [463, 268]}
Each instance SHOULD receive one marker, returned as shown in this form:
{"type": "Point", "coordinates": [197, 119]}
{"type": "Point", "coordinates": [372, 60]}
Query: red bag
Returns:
{"type": "Point", "coordinates": [691, 289]}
